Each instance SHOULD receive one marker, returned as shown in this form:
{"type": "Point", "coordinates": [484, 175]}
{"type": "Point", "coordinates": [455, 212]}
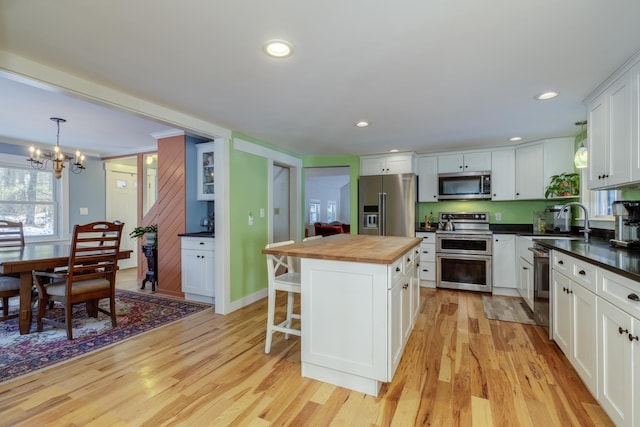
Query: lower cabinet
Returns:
{"type": "Point", "coordinates": [525, 281]}
{"type": "Point", "coordinates": [619, 352]}
{"type": "Point", "coordinates": [596, 324]}
{"type": "Point", "coordinates": [504, 263]}
{"type": "Point", "coordinates": [574, 323]}
{"type": "Point", "coordinates": [198, 260]}
{"type": "Point", "coordinates": [427, 259]}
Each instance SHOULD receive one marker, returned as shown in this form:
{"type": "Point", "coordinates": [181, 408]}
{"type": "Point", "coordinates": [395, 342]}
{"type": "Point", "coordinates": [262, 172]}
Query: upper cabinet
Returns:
{"type": "Point", "coordinates": [613, 119]}
{"type": "Point", "coordinates": [206, 166]}
{"type": "Point", "coordinates": [427, 178]}
{"type": "Point", "coordinates": [387, 164]}
{"type": "Point", "coordinates": [467, 162]}
{"type": "Point", "coordinates": [609, 132]}
{"type": "Point", "coordinates": [503, 175]}
{"type": "Point", "coordinates": [535, 165]}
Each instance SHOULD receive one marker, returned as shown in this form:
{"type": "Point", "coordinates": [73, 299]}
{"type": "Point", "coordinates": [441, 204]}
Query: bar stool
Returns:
{"type": "Point", "coordinates": [289, 282]}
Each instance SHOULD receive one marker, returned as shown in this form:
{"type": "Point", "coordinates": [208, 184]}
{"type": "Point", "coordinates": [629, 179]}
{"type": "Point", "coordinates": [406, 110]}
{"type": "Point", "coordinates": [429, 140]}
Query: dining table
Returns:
{"type": "Point", "coordinates": [35, 256]}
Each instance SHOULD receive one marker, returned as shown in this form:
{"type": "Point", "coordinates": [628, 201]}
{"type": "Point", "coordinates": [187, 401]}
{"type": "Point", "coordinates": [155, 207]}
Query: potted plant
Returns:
{"type": "Point", "coordinates": [563, 185]}
{"type": "Point", "coordinates": [150, 233]}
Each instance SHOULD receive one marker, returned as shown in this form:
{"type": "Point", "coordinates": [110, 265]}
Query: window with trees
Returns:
{"type": "Point", "coordinates": [28, 195]}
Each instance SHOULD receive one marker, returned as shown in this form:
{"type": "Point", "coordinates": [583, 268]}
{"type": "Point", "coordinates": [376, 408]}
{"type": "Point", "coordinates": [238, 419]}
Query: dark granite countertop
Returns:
{"type": "Point", "coordinates": [198, 234]}
{"type": "Point", "coordinates": [599, 252]}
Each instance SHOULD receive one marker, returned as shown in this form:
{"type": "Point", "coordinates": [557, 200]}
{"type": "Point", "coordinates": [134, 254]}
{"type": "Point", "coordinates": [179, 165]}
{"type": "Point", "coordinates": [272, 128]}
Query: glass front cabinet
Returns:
{"type": "Point", "coordinates": [206, 178]}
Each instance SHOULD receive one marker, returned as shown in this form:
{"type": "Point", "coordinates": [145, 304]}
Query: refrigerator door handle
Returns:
{"type": "Point", "coordinates": [382, 226]}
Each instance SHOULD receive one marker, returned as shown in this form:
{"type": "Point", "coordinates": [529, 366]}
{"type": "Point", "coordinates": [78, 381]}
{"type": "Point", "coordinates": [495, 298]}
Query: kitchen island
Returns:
{"type": "Point", "coordinates": [359, 298]}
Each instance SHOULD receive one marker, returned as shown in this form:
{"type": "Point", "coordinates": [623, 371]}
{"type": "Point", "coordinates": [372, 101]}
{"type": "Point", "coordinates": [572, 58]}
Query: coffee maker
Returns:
{"type": "Point", "coordinates": [627, 215]}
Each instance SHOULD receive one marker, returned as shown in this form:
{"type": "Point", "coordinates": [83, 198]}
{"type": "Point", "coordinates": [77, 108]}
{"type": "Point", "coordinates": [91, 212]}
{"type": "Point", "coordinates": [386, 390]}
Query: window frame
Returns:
{"type": "Point", "coordinates": [60, 201]}
{"type": "Point", "coordinates": [590, 200]}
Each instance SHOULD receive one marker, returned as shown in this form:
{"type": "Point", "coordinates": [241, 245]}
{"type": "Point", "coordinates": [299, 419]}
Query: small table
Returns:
{"type": "Point", "coordinates": [38, 256]}
{"type": "Point", "coordinates": [151, 254]}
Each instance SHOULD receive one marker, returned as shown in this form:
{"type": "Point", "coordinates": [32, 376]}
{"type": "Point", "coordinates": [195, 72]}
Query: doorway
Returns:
{"type": "Point", "coordinates": [327, 196]}
{"type": "Point", "coordinates": [281, 203]}
{"type": "Point", "coordinates": [122, 199]}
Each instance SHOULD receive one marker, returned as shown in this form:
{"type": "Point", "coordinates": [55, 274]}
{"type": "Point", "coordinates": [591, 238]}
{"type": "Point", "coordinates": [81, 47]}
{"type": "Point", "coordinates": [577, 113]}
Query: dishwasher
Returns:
{"type": "Point", "coordinates": [541, 294]}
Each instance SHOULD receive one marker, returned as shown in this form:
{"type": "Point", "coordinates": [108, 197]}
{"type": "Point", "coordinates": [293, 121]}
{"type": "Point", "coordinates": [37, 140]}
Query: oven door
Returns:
{"type": "Point", "coordinates": [466, 272]}
{"type": "Point", "coordinates": [469, 244]}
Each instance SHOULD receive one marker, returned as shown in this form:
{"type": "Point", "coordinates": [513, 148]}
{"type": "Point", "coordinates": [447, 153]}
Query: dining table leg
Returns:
{"type": "Point", "coordinates": [26, 284]}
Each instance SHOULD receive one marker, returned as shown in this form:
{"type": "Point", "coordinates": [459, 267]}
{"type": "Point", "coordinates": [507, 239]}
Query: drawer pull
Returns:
{"type": "Point", "coordinates": [631, 338]}
{"type": "Point", "coordinates": [582, 272]}
{"type": "Point", "coordinates": [397, 268]}
{"type": "Point", "coordinates": [622, 331]}
{"type": "Point", "coordinates": [633, 297]}
{"type": "Point", "coordinates": [425, 252]}
{"type": "Point", "coordinates": [426, 270]}
{"type": "Point", "coordinates": [561, 262]}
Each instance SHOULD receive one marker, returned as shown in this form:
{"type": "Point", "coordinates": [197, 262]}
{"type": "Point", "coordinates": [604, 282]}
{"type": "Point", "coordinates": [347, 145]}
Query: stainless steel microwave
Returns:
{"type": "Point", "coordinates": [464, 185]}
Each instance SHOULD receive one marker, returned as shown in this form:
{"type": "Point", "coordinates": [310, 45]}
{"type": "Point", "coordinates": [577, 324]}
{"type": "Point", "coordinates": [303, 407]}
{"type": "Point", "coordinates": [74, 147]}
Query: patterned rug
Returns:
{"type": "Point", "coordinates": [136, 313]}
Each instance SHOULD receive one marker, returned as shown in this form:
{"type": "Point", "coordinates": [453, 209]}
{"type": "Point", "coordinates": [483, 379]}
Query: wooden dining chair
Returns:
{"type": "Point", "coordinates": [11, 237]}
{"type": "Point", "coordinates": [282, 276]}
{"type": "Point", "coordinates": [89, 277]}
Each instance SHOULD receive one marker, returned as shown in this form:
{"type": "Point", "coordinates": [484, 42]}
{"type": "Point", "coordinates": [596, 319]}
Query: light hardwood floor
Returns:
{"type": "Point", "coordinates": [458, 369]}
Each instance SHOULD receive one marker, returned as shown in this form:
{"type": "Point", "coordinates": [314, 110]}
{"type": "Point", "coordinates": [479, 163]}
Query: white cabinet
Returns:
{"type": "Point", "coordinates": [619, 369]}
{"type": "Point", "coordinates": [374, 317]}
{"type": "Point", "coordinates": [198, 259]}
{"type": "Point", "coordinates": [574, 316]}
{"type": "Point", "coordinates": [525, 281]}
{"type": "Point", "coordinates": [503, 175]}
{"type": "Point", "coordinates": [427, 265]}
{"type": "Point", "coordinates": [635, 123]}
{"type": "Point", "coordinates": [464, 162]}
{"type": "Point", "coordinates": [206, 166]}
{"type": "Point", "coordinates": [427, 178]}
{"type": "Point", "coordinates": [525, 269]}
{"type": "Point", "coordinates": [609, 132]}
{"type": "Point", "coordinates": [387, 164]}
{"type": "Point", "coordinates": [504, 263]}
{"type": "Point", "coordinates": [536, 163]}
{"type": "Point", "coordinates": [529, 175]}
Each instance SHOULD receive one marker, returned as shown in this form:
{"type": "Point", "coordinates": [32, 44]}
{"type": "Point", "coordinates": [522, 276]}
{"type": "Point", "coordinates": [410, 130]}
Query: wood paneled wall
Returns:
{"type": "Point", "coordinates": [171, 213]}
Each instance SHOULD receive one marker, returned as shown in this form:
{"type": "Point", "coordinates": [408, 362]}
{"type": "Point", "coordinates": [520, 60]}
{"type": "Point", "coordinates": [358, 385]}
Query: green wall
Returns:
{"type": "Point", "coordinates": [354, 171]}
{"type": "Point", "coordinates": [513, 212]}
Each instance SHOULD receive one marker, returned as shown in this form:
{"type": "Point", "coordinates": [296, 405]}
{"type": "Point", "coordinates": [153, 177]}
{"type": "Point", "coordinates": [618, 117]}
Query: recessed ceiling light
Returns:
{"type": "Point", "coordinates": [278, 48]}
{"type": "Point", "coordinates": [362, 124]}
{"type": "Point", "coordinates": [515, 138]}
{"type": "Point", "coordinates": [546, 95]}
{"type": "Point", "coordinates": [394, 150]}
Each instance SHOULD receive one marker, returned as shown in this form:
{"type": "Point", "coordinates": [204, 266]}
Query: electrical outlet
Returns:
{"type": "Point", "coordinates": [498, 216]}
{"type": "Point", "coordinates": [84, 211]}
{"type": "Point", "coordinates": [250, 218]}
{"type": "Point", "coordinates": [261, 212]}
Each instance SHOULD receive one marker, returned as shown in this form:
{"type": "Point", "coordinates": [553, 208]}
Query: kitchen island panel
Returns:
{"type": "Point", "coordinates": [344, 324]}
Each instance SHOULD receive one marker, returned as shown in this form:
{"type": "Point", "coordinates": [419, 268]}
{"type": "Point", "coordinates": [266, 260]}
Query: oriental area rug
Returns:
{"type": "Point", "coordinates": [136, 313]}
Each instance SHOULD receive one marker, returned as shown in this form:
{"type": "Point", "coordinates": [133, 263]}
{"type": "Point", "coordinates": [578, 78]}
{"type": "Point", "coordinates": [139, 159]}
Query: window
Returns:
{"type": "Point", "coordinates": [601, 202]}
{"type": "Point", "coordinates": [331, 210]}
{"type": "Point", "coordinates": [314, 211]}
{"type": "Point", "coordinates": [29, 196]}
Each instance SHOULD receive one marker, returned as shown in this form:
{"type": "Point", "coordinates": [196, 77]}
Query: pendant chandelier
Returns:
{"type": "Point", "coordinates": [581, 158]}
{"type": "Point", "coordinates": [58, 159]}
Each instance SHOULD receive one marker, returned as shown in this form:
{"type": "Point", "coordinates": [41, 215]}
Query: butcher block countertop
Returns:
{"type": "Point", "coordinates": [350, 247]}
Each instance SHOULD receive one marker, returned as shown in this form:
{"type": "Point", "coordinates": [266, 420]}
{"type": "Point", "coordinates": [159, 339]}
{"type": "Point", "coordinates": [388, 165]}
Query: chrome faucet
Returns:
{"type": "Point", "coordinates": [586, 230]}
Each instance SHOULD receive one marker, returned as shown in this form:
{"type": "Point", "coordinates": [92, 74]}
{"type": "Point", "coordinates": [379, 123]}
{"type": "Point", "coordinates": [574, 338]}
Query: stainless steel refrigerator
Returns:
{"type": "Point", "coordinates": [387, 205]}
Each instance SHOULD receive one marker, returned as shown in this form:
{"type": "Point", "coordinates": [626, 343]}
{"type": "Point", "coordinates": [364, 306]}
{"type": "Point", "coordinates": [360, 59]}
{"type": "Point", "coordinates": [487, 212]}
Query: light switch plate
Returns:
{"type": "Point", "coordinates": [498, 216]}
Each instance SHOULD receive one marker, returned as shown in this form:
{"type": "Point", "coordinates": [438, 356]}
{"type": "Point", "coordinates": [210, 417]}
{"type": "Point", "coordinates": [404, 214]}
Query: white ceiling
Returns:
{"type": "Point", "coordinates": [429, 75]}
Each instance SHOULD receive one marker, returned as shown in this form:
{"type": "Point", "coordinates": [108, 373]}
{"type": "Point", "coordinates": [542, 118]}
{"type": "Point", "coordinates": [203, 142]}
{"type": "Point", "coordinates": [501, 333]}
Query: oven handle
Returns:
{"type": "Point", "coordinates": [451, 255]}
{"type": "Point", "coordinates": [539, 253]}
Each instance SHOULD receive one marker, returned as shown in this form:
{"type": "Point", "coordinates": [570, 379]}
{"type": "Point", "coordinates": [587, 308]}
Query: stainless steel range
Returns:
{"type": "Point", "coordinates": [463, 251]}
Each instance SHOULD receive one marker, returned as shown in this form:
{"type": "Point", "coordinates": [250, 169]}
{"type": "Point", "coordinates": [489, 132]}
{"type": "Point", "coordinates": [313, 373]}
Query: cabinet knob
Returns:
{"type": "Point", "coordinates": [622, 331]}
{"type": "Point", "coordinates": [561, 262]}
{"type": "Point", "coordinates": [633, 297]}
{"type": "Point", "coordinates": [494, 194]}
{"type": "Point", "coordinates": [408, 259]}
{"type": "Point", "coordinates": [517, 194]}
{"type": "Point", "coordinates": [582, 272]}
{"type": "Point", "coordinates": [460, 166]}
{"type": "Point", "coordinates": [466, 166]}
{"type": "Point", "coordinates": [405, 286]}
{"type": "Point", "coordinates": [631, 338]}
{"type": "Point", "coordinates": [397, 268]}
